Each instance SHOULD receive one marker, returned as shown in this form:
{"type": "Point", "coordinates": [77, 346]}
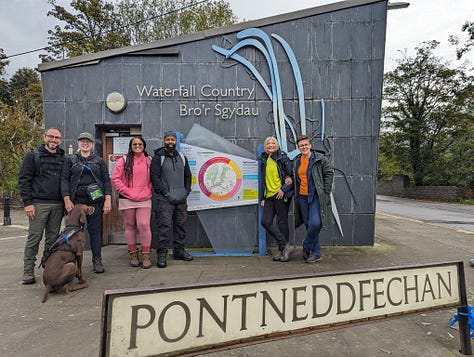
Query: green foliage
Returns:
{"type": "Point", "coordinates": [5, 96]}
{"type": "Point", "coordinates": [171, 18]}
{"type": "Point", "coordinates": [93, 26]}
{"type": "Point", "coordinates": [21, 80]}
{"type": "Point", "coordinates": [21, 125]}
{"type": "Point", "coordinates": [3, 62]}
{"type": "Point", "coordinates": [390, 162]}
{"type": "Point", "coordinates": [97, 25]}
{"type": "Point", "coordinates": [19, 133]}
{"type": "Point", "coordinates": [428, 112]}
{"type": "Point", "coordinates": [462, 48]}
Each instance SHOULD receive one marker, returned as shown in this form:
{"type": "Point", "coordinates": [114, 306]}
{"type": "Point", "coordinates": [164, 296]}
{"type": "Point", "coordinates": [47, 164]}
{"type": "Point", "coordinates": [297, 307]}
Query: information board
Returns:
{"type": "Point", "coordinates": [220, 179]}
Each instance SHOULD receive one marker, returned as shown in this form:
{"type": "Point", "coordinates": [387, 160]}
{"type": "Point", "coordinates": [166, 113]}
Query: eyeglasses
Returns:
{"type": "Point", "coordinates": [303, 145]}
{"type": "Point", "coordinates": [53, 137]}
{"type": "Point", "coordinates": [137, 144]}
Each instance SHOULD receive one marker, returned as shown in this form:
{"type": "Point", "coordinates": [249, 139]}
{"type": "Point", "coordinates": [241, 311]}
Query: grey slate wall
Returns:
{"type": "Point", "coordinates": [341, 57]}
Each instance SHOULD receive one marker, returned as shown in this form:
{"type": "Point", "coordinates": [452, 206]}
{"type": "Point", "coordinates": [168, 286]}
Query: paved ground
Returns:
{"type": "Point", "coordinates": [449, 215]}
{"type": "Point", "coordinates": [70, 324]}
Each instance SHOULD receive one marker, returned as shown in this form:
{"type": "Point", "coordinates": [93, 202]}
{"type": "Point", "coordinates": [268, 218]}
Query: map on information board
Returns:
{"type": "Point", "coordinates": [220, 179]}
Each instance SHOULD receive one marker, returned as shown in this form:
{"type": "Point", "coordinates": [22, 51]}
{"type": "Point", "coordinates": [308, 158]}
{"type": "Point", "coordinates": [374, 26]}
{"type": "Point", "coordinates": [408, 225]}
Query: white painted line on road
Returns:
{"type": "Point", "coordinates": [418, 221]}
{"type": "Point", "coordinates": [464, 231]}
{"type": "Point", "coordinates": [400, 217]}
{"type": "Point", "coordinates": [10, 238]}
{"type": "Point", "coordinates": [16, 226]}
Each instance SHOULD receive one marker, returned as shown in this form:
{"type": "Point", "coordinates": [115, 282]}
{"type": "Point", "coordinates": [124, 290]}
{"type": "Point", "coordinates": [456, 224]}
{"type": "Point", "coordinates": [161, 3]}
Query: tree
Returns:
{"type": "Point", "coordinates": [21, 80]}
{"type": "Point", "coordinates": [98, 25]}
{"type": "Point", "coordinates": [389, 162]}
{"type": "Point", "coordinates": [92, 28]}
{"type": "Point", "coordinates": [19, 133]}
{"type": "Point", "coordinates": [4, 90]}
{"type": "Point", "coordinates": [427, 111]}
{"type": "Point", "coordinates": [25, 90]}
{"type": "Point", "coordinates": [3, 62]}
{"type": "Point", "coordinates": [172, 18]}
{"type": "Point", "coordinates": [468, 27]}
{"type": "Point", "coordinates": [21, 125]}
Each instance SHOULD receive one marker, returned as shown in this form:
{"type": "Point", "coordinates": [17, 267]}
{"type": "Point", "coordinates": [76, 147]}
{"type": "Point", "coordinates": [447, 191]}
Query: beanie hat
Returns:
{"type": "Point", "coordinates": [169, 133]}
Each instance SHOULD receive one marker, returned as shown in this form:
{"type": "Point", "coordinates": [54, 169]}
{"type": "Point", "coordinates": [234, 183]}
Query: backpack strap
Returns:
{"type": "Point", "coordinates": [96, 160]}
{"type": "Point", "coordinates": [37, 162]}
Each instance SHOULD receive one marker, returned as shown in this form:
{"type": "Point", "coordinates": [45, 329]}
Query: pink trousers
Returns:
{"type": "Point", "coordinates": [137, 219]}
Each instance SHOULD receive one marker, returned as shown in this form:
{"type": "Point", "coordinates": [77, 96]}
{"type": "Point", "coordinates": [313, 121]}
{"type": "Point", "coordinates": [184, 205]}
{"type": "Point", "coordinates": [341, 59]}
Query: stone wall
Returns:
{"type": "Point", "coordinates": [400, 186]}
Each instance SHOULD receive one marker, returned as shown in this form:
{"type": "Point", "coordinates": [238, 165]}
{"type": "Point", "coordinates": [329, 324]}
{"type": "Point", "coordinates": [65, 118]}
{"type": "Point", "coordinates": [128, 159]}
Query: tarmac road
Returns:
{"type": "Point", "coordinates": [450, 215]}
{"type": "Point", "coordinates": [69, 325]}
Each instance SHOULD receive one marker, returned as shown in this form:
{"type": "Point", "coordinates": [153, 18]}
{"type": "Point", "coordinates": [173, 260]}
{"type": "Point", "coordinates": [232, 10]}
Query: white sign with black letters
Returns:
{"type": "Point", "coordinates": [167, 320]}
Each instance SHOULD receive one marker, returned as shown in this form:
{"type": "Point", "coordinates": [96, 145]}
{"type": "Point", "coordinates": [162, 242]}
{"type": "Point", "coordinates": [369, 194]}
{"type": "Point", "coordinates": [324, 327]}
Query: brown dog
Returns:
{"type": "Point", "coordinates": [63, 261]}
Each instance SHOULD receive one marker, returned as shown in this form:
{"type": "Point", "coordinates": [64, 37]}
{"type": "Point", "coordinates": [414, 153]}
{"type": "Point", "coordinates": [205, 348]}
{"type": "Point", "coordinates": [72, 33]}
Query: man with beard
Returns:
{"type": "Point", "coordinates": [39, 183]}
{"type": "Point", "coordinates": [171, 180]}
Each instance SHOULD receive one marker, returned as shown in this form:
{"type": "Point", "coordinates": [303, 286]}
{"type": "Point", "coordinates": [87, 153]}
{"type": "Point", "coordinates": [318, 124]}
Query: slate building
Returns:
{"type": "Point", "coordinates": [317, 71]}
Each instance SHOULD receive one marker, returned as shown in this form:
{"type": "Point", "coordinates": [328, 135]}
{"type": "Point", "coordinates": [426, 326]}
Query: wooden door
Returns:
{"type": "Point", "coordinates": [115, 145]}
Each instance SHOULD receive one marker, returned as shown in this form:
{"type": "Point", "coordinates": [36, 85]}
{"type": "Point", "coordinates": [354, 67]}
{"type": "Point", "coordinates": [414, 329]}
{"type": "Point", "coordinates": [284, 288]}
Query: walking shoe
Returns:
{"type": "Point", "coordinates": [313, 258]}
{"type": "Point", "coordinates": [29, 277]}
{"type": "Point", "coordinates": [146, 263]}
{"type": "Point", "coordinates": [161, 261]}
{"type": "Point", "coordinates": [277, 256]}
{"type": "Point", "coordinates": [306, 253]}
{"type": "Point", "coordinates": [285, 255]}
{"type": "Point", "coordinates": [182, 255]}
{"type": "Point", "coordinates": [134, 262]}
{"type": "Point", "coordinates": [98, 267]}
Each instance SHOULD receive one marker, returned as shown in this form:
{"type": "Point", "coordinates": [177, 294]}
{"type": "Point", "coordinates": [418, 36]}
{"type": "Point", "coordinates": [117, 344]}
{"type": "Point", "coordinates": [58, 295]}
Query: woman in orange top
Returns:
{"type": "Point", "coordinates": [313, 183]}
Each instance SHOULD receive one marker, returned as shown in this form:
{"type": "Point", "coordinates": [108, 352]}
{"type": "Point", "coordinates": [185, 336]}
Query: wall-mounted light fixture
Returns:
{"type": "Point", "coordinates": [116, 102]}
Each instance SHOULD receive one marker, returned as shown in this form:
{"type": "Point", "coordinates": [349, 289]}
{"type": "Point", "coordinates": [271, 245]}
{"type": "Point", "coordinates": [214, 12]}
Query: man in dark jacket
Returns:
{"type": "Point", "coordinates": [171, 179]}
{"type": "Point", "coordinates": [39, 184]}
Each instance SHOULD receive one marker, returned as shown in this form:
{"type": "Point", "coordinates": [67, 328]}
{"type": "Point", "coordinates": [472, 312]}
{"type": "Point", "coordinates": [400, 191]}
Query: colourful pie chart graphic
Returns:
{"type": "Point", "coordinates": [220, 178]}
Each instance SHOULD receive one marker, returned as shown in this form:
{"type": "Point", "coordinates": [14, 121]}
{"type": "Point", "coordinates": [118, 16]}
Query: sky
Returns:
{"type": "Point", "coordinates": [24, 26]}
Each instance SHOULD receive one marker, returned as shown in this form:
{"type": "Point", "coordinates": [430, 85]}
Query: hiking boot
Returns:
{"type": "Point", "coordinates": [134, 262]}
{"type": "Point", "coordinates": [182, 255]}
{"type": "Point", "coordinates": [98, 267]}
{"type": "Point", "coordinates": [161, 261]}
{"type": "Point", "coordinates": [277, 256]}
{"type": "Point", "coordinates": [285, 255]}
{"type": "Point", "coordinates": [29, 277]}
{"type": "Point", "coordinates": [306, 253]}
{"type": "Point", "coordinates": [313, 258]}
{"type": "Point", "coordinates": [146, 263]}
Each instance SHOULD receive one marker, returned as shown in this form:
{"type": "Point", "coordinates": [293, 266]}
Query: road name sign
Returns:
{"type": "Point", "coordinates": [191, 318]}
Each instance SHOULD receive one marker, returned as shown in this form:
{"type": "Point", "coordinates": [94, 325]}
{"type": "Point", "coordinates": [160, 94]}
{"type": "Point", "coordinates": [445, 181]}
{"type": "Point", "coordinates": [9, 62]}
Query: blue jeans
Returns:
{"type": "Point", "coordinates": [312, 221]}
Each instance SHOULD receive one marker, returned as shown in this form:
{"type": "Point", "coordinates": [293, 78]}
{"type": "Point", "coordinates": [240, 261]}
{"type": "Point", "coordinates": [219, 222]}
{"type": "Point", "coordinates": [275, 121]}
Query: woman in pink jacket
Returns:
{"type": "Point", "coordinates": [131, 179]}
